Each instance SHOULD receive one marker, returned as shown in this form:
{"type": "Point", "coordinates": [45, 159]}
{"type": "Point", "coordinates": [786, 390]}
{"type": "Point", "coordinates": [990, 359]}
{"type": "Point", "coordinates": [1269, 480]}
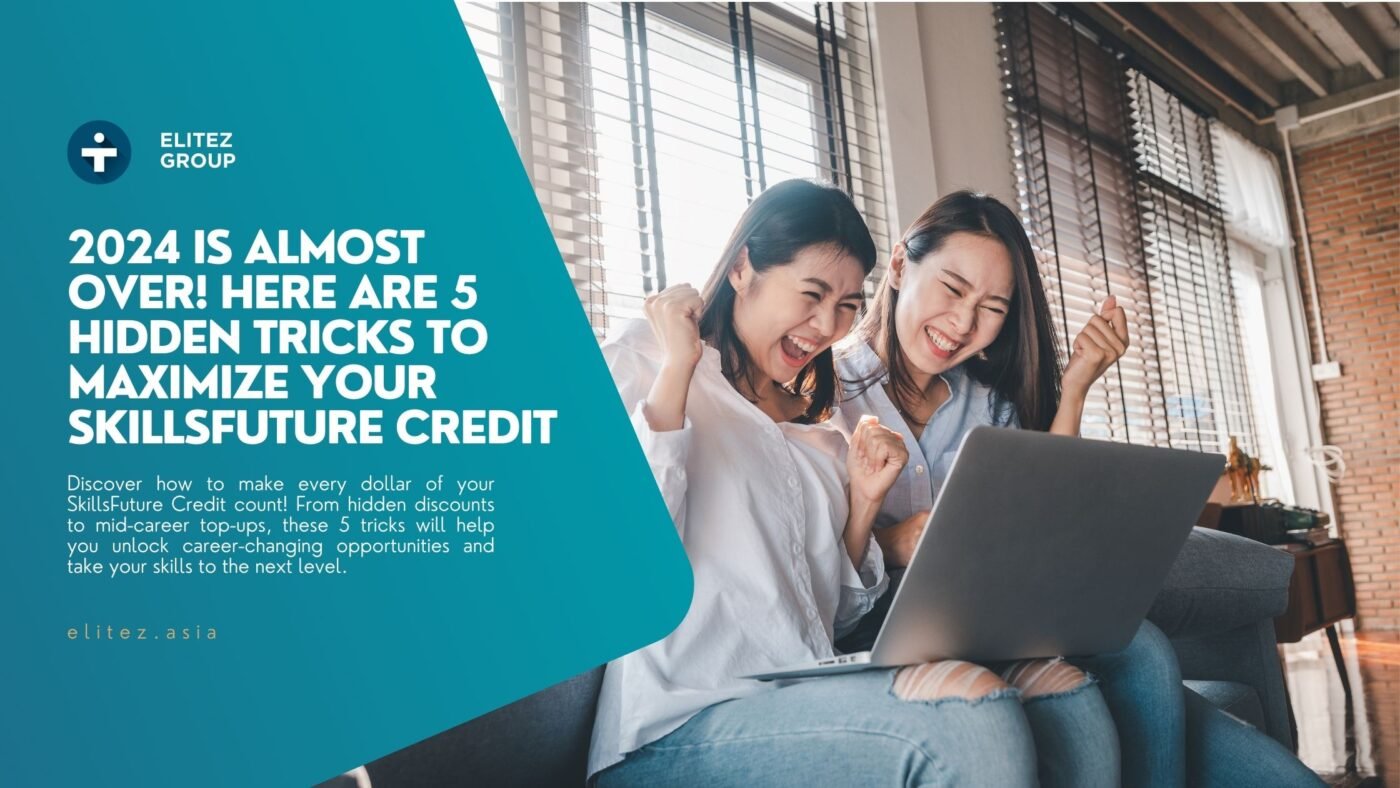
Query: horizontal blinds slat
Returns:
{"type": "Point", "coordinates": [598, 196]}
{"type": "Point", "coordinates": [718, 62]}
{"type": "Point", "coordinates": [865, 114]}
{"type": "Point", "coordinates": [1081, 171]}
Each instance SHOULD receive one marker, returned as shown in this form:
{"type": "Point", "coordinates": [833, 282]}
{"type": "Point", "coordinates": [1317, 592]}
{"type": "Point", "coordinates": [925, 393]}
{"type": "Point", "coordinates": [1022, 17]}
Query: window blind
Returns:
{"type": "Point", "coordinates": [1118, 192]}
{"type": "Point", "coordinates": [647, 128]}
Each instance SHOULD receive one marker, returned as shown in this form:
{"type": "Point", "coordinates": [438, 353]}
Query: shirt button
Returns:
{"type": "Point", "coordinates": [796, 548]}
{"type": "Point", "coordinates": [792, 481]}
{"type": "Point", "coordinates": [919, 469]}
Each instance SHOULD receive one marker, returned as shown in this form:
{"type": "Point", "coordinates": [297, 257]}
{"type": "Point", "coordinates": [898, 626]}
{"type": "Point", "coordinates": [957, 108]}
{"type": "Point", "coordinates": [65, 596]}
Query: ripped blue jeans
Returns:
{"type": "Point", "coordinates": [853, 730]}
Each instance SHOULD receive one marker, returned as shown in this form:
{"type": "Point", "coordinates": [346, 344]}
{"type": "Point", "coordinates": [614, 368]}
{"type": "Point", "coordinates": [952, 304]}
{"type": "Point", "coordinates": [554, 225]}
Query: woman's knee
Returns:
{"type": "Point", "coordinates": [977, 754]}
{"type": "Point", "coordinates": [1152, 646]}
{"type": "Point", "coordinates": [982, 737]}
{"type": "Point", "coordinates": [1076, 739]}
{"type": "Point", "coordinates": [1040, 677]}
{"type": "Point", "coordinates": [946, 679]}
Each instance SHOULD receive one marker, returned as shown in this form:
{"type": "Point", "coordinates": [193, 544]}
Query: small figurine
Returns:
{"type": "Point", "coordinates": [1243, 472]}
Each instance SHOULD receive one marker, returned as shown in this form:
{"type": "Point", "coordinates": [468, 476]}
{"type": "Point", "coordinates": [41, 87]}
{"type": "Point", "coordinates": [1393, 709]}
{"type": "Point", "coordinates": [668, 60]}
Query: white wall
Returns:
{"type": "Point", "coordinates": [905, 135]}
{"type": "Point", "coordinates": [962, 78]}
{"type": "Point", "coordinates": [945, 125]}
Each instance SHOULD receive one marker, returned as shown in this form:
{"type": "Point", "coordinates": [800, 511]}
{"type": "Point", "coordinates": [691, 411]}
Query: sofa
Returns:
{"type": "Point", "coordinates": [1217, 606]}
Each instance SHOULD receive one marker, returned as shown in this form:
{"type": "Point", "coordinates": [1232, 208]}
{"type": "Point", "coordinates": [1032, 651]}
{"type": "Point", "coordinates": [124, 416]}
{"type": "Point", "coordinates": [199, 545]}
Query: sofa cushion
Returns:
{"type": "Point", "coordinates": [1220, 582]}
{"type": "Point", "coordinates": [538, 740]}
{"type": "Point", "coordinates": [1238, 700]}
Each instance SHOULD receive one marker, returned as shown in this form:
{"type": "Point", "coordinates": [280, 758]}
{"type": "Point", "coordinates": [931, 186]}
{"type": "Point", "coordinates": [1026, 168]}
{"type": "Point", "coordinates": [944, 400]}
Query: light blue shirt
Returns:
{"type": "Point", "coordinates": [970, 404]}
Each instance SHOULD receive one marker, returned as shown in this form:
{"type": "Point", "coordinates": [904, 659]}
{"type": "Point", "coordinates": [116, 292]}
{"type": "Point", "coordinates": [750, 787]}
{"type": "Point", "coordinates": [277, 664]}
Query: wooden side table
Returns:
{"type": "Point", "coordinates": [1320, 595]}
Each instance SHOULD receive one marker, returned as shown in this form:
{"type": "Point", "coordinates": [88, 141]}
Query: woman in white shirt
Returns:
{"type": "Point", "coordinates": [731, 396]}
{"type": "Point", "coordinates": [960, 335]}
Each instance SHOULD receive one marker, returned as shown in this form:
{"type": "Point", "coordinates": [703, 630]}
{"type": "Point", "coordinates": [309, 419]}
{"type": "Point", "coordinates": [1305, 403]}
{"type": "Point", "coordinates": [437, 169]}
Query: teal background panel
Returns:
{"type": "Point", "coordinates": [344, 116]}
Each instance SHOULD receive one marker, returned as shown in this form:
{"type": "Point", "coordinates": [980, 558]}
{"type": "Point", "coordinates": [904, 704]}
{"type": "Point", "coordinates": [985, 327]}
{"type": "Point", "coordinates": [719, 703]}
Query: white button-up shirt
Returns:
{"type": "Point", "coordinates": [761, 508]}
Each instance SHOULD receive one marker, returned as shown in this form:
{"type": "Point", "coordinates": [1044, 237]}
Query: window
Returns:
{"type": "Point", "coordinates": [646, 129]}
{"type": "Point", "coordinates": [1248, 267]}
{"type": "Point", "coordinates": [1118, 191]}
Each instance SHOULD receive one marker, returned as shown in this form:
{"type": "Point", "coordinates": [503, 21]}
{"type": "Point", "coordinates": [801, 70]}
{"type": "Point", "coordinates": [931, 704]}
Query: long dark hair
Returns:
{"type": "Point", "coordinates": [1022, 366]}
{"type": "Point", "coordinates": [782, 221]}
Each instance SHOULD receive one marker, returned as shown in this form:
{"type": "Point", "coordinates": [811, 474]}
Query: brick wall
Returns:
{"type": "Point", "coordinates": [1351, 197]}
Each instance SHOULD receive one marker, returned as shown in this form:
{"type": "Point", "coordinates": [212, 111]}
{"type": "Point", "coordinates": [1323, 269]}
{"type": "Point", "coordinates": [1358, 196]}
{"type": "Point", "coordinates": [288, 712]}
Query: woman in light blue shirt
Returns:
{"type": "Point", "coordinates": [960, 335]}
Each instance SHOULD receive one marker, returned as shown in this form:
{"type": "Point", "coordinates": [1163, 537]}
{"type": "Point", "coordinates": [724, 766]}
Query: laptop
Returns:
{"type": "Point", "coordinates": [1037, 545]}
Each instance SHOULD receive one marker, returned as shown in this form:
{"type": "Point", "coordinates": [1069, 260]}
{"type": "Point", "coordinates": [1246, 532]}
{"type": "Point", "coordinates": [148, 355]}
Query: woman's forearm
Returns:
{"type": "Point", "coordinates": [665, 405]}
{"type": "Point", "coordinates": [1069, 416]}
{"type": "Point", "coordinates": [858, 526]}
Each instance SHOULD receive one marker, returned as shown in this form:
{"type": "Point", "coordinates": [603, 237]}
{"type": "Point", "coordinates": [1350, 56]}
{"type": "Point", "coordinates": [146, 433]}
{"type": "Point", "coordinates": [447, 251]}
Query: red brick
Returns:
{"type": "Point", "coordinates": [1351, 197]}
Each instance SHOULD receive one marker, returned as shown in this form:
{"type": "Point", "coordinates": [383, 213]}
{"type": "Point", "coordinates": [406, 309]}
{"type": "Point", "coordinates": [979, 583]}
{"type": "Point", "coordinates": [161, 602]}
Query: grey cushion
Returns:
{"type": "Point", "coordinates": [1239, 700]}
{"type": "Point", "coordinates": [538, 740]}
{"type": "Point", "coordinates": [1221, 582]}
{"type": "Point", "coordinates": [1245, 655]}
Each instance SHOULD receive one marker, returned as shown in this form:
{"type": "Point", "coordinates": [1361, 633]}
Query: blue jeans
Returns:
{"type": "Point", "coordinates": [1223, 751]}
{"type": "Point", "coordinates": [852, 730]}
{"type": "Point", "coordinates": [1170, 736]}
{"type": "Point", "coordinates": [1142, 686]}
